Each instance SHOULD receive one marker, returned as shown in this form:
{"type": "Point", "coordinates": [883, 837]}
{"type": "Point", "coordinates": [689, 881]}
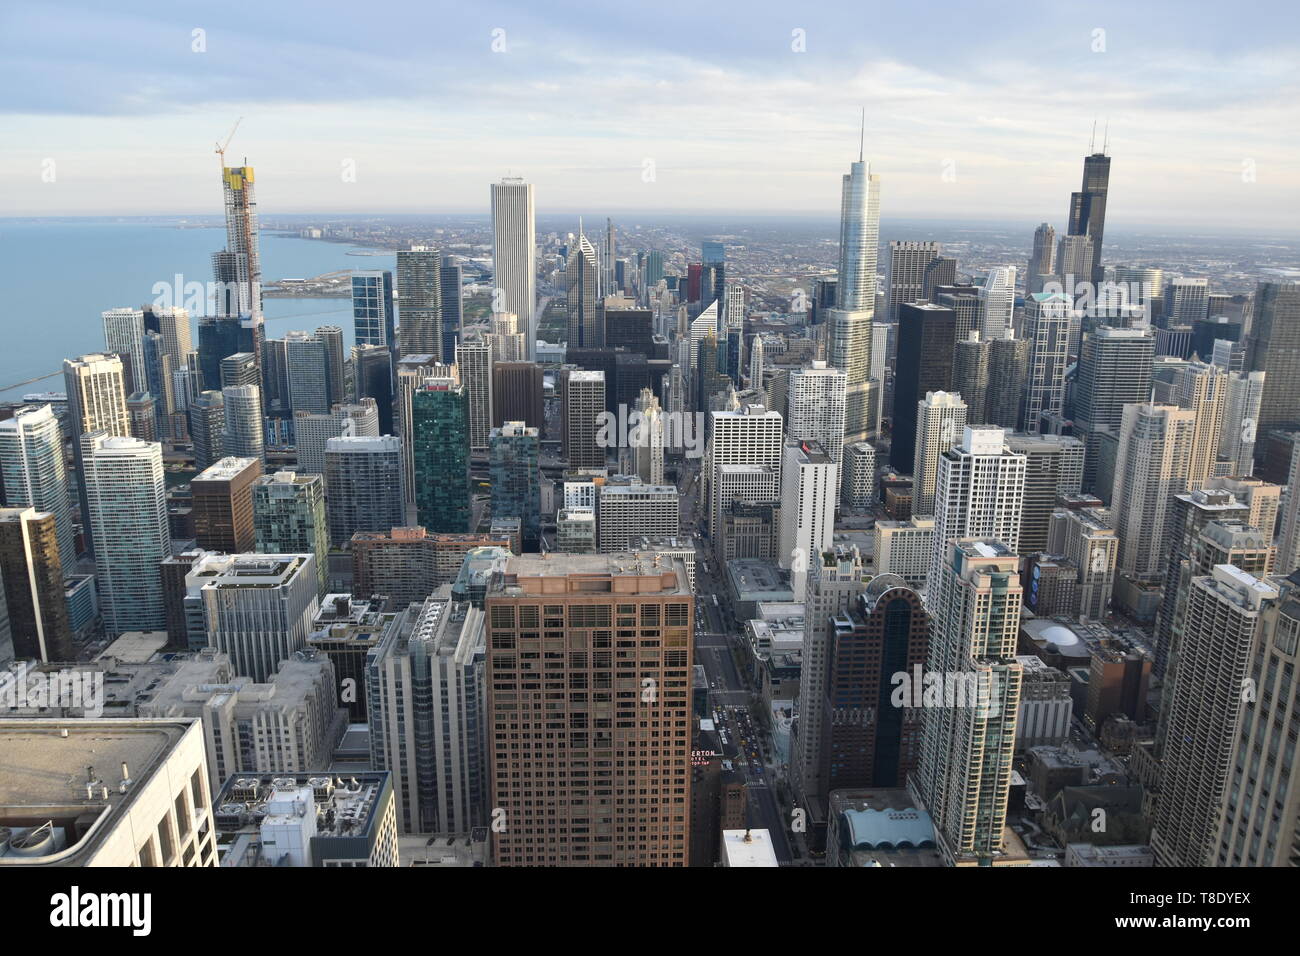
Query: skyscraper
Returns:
{"type": "Point", "coordinates": [1223, 616]}
{"type": "Point", "coordinates": [815, 408]}
{"type": "Point", "coordinates": [419, 300]}
{"type": "Point", "coordinates": [970, 375]}
{"type": "Point", "coordinates": [451, 303]}
{"type": "Point", "coordinates": [584, 402]}
{"type": "Point", "coordinates": [997, 300]}
{"type": "Point", "coordinates": [124, 335]}
{"type": "Point", "coordinates": [1047, 327]}
{"type": "Point", "coordinates": [1042, 259]}
{"type": "Point", "coordinates": [372, 308]}
{"type": "Point", "coordinates": [208, 427]}
{"type": "Point", "coordinates": [555, 813]}
{"type": "Point", "coordinates": [516, 479]}
{"type": "Point", "coordinates": [848, 325]}
{"type": "Point", "coordinates": [1241, 421]}
{"type": "Point", "coordinates": [363, 477]}
{"type": "Point", "coordinates": [517, 393]}
{"type": "Point", "coordinates": [908, 262]}
{"type": "Point", "coordinates": [308, 365]}
{"type": "Point", "coordinates": [1053, 469]}
{"type": "Point", "coordinates": [514, 255]}
{"type": "Point", "coordinates": [474, 361]}
{"type": "Point", "coordinates": [440, 415]}
{"type": "Point", "coordinates": [127, 500]}
{"type": "Point", "coordinates": [809, 491]}
{"type": "Point", "coordinates": [239, 269]}
{"type": "Point", "coordinates": [751, 438]}
{"type": "Point", "coordinates": [926, 341]}
{"type": "Point", "coordinates": [312, 432]}
{"type": "Point", "coordinates": [1088, 210]}
{"type": "Point", "coordinates": [34, 472]}
{"type": "Point", "coordinates": [223, 505]}
{"type": "Point", "coordinates": [1203, 390]}
{"type": "Point", "coordinates": [1152, 465]}
{"type": "Point", "coordinates": [940, 423]}
{"type": "Point", "coordinates": [963, 774]}
{"type": "Point", "coordinates": [331, 337]}
{"type": "Point", "coordinates": [582, 291]}
{"type": "Point", "coordinates": [289, 518]}
{"type": "Point", "coordinates": [1275, 350]}
{"type": "Point", "coordinates": [244, 435]}
{"type": "Point", "coordinates": [31, 586]}
{"type": "Point", "coordinates": [979, 493]}
{"type": "Point", "coordinates": [1114, 370]}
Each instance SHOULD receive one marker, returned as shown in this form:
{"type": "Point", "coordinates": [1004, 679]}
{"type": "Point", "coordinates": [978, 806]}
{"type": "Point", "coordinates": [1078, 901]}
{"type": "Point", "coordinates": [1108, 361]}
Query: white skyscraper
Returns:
{"type": "Point", "coordinates": [1240, 421]}
{"type": "Point", "coordinates": [514, 255]}
{"type": "Point", "coordinates": [124, 335]}
{"type": "Point", "coordinates": [809, 490]}
{"type": "Point", "coordinates": [940, 423]}
{"type": "Point", "coordinates": [815, 408]}
{"type": "Point", "coordinates": [848, 325]}
{"type": "Point", "coordinates": [34, 472]}
{"type": "Point", "coordinates": [1203, 390]}
{"type": "Point", "coordinates": [751, 437]}
{"type": "Point", "coordinates": [1048, 318]}
{"type": "Point", "coordinates": [997, 302]}
{"type": "Point", "coordinates": [244, 436]}
{"type": "Point", "coordinates": [963, 775]}
{"type": "Point", "coordinates": [979, 493]}
{"type": "Point", "coordinates": [1152, 465]}
{"type": "Point", "coordinates": [127, 500]}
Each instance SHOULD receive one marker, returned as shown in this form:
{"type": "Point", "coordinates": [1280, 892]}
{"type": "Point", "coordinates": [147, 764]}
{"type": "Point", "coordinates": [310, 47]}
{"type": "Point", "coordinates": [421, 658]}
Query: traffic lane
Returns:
{"type": "Point", "coordinates": [765, 814]}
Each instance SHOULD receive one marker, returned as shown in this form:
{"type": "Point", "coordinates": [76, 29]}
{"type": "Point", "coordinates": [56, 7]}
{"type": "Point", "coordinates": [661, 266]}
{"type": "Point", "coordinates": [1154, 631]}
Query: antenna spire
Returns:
{"type": "Point", "coordinates": [1092, 140]}
{"type": "Point", "coordinates": [1105, 140]}
{"type": "Point", "coordinates": [862, 135]}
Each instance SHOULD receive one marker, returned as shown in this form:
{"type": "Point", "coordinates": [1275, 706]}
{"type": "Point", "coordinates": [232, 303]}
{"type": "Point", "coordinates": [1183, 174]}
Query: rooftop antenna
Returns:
{"type": "Point", "coordinates": [1092, 140]}
{"type": "Point", "coordinates": [1105, 137]}
{"type": "Point", "coordinates": [862, 134]}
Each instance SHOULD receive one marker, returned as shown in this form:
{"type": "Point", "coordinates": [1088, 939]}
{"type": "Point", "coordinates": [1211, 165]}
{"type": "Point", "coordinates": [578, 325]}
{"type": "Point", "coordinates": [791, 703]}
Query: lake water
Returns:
{"type": "Point", "coordinates": [61, 275]}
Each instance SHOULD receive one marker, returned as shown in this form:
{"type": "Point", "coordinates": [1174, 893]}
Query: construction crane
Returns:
{"type": "Point", "coordinates": [221, 147]}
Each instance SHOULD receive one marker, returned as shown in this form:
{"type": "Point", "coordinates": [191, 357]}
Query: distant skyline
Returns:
{"type": "Point", "coordinates": [983, 113]}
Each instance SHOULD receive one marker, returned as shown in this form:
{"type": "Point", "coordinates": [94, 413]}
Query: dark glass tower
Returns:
{"type": "Point", "coordinates": [440, 432]}
{"type": "Point", "coordinates": [926, 341]}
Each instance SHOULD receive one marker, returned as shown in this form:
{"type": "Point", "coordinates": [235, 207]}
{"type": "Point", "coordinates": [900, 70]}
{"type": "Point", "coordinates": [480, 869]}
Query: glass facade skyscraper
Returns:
{"type": "Point", "coordinates": [440, 431]}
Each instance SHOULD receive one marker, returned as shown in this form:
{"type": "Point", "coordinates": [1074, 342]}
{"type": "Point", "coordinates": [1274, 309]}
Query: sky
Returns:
{"type": "Point", "coordinates": [974, 110]}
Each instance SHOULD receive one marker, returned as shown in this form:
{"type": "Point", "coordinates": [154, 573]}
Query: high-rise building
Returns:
{"type": "Point", "coordinates": [372, 377]}
{"type": "Point", "coordinates": [95, 385]}
{"type": "Point", "coordinates": [1222, 625]}
{"type": "Point", "coordinates": [970, 375]}
{"type": "Point", "coordinates": [1187, 301]}
{"type": "Point", "coordinates": [584, 402]}
{"type": "Point", "coordinates": [858, 487]}
{"type": "Point", "coordinates": [124, 336]}
{"type": "Point", "coordinates": [289, 518]}
{"type": "Point", "coordinates": [514, 255]}
{"type": "Point", "coordinates": [336, 376]}
{"type": "Point", "coordinates": [1241, 421]}
{"type": "Point", "coordinates": [815, 408]}
{"type": "Point", "coordinates": [440, 415]}
{"type": "Point", "coordinates": [258, 608]}
{"type": "Point", "coordinates": [848, 325]}
{"type": "Point", "coordinates": [553, 813]}
{"type": "Point", "coordinates": [474, 361]}
{"type": "Point", "coordinates": [1143, 287]}
{"type": "Point", "coordinates": [1250, 832]}
{"type": "Point", "coordinates": [1275, 350]}
{"type": "Point", "coordinates": [963, 773]}
{"type": "Point", "coordinates": [33, 471]}
{"type": "Point", "coordinates": [1008, 373]}
{"type": "Point", "coordinates": [940, 422]}
{"type": "Point", "coordinates": [1203, 390]}
{"type": "Point", "coordinates": [406, 565]}
{"type": "Point", "coordinates": [1053, 469]}
{"type": "Point", "coordinates": [244, 434]}
{"type": "Point", "coordinates": [373, 317]}
{"type": "Point", "coordinates": [979, 493]}
{"type": "Point", "coordinates": [425, 681]}
{"type": "Point", "coordinates": [1048, 320]}
{"type": "Point", "coordinates": [628, 509]}
{"type": "Point", "coordinates": [582, 290]}
{"type": "Point", "coordinates": [1152, 465]}
{"type": "Point", "coordinates": [998, 301]}
{"type": "Point", "coordinates": [809, 492]}
{"type": "Point", "coordinates": [884, 633]}
{"type": "Point", "coordinates": [926, 340]}
{"type": "Point", "coordinates": [1042, 260]}
{"type": "Point", "coordinates": [1084, 536]}
{"type": "Point", "coordinates": [1088, 210]}
{"type": "Point", "coordinates": [515, 477]}
{"type": "Point", "coordinates": [308, 366]}
{"type": "Point", "coordinates": [750, 438]}
{"type": "Point", "coordinates": [239, 268]}
{"type": "Point", "coordinates": [239, 369]}
{"type": "Point", "coordinates": [1114, 370]}
{"type": "Point", "coordinates": [208, 428]}
{"type": "Point", "coordinates": [908, 262]}
{"type": "Point", "coordinates": [517, 389]}
{"type": "Point", "coordinates": [223, 505]}
{"type": "Point", "coordinates": [311, 432]}
{"type": "Point", "coordinates": [508, 343]}
{"type": "Point", "coordinates": [363, 479]}
{"type": "Point", "coordinates": [452, 305]}
{"type": "Point", "coordinates": [127, 516]}
{"type": "Point", "coordinates": [32, 586]}
{"type": "Point", "coordinates": [645, 457]}
{"type": "Point", "coordinates": [419, 301]}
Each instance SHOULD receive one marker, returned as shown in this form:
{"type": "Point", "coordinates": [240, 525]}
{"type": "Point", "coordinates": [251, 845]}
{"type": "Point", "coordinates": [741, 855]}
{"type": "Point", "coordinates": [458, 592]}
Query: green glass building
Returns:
{"type": "Point", "coordinates": [440, 435]}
